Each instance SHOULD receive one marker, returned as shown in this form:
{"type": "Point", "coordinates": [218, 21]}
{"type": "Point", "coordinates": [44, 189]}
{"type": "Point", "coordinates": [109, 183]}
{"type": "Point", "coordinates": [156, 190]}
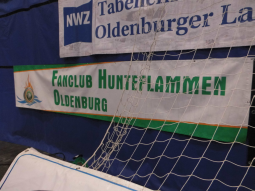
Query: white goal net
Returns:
{"type": "Point", "coordinates": [183, 117]}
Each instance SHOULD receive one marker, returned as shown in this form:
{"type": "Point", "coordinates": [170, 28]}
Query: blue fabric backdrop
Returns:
{"type": "Point", "coordinates": [31, 37]}
{"type": "Point", "coordinates": [9, 6]}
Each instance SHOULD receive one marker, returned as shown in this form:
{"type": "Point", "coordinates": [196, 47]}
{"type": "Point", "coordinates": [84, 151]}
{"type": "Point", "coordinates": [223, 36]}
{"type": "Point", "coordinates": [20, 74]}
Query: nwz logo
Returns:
{"type": "Point", "coordinates": [78, 18]}
{"type": "Point", "coordinates": [78, 23]}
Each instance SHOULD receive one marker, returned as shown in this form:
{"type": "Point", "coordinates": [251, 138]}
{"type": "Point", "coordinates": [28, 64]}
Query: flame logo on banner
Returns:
{"type": "Point", "coordinates": [29, 97]}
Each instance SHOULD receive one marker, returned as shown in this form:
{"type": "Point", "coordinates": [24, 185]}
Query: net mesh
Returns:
{"type": "Point", "coordinates": [124, 138]}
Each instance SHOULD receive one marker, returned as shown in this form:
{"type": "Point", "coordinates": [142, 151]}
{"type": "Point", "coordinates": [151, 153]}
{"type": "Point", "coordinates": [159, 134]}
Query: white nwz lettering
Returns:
{"type": "Point", "coordinates": [69, 20]}
{"type": "Point", "coordinates": [77, 18]}
{"type": "Point", "coordinates": [86, 19]}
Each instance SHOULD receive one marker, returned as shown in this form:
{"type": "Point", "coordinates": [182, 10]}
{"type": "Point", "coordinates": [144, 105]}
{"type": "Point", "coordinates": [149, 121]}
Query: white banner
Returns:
{"type": "Point", "coordinates": [32, 170]}
{"type": "Point", "coordinates": [209, 92]}
{"type": "Point", "coordinates": [122, 26]}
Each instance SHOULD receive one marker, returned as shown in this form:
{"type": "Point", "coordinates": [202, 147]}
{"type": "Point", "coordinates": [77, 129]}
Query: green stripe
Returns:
{"type": "Point", "coordinates": [38, 67]}
{"type": "Point", "coordinates": [226, 134]}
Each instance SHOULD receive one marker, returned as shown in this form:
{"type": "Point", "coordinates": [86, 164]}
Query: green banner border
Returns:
{"type": "Point", "coordinates": [23, 68]}
{"type": "Point", "coordinates": [183, 128]}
